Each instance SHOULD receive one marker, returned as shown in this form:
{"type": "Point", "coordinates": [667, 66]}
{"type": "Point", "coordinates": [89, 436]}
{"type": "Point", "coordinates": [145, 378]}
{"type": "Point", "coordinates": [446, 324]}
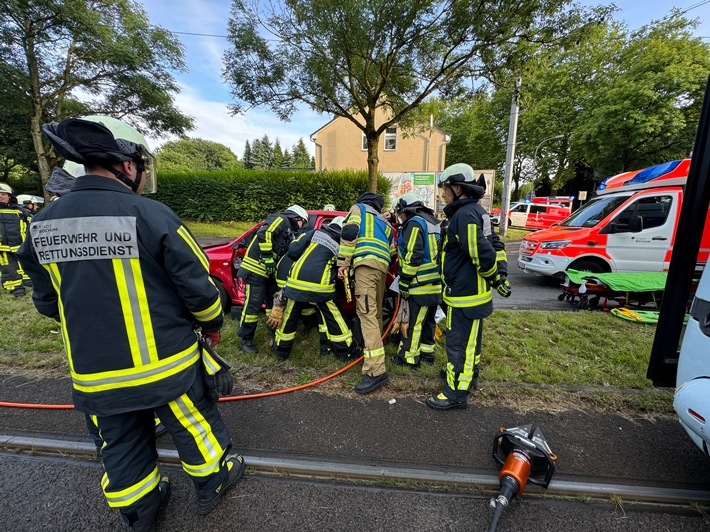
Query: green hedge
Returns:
{"type": "Point", "coordinates": [251, 195]}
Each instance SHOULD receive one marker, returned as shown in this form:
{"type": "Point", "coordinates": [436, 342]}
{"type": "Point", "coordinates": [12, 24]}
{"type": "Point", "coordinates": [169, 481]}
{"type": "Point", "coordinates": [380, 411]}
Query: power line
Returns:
{"type": "Point", "coordinates": [694, 6]}
{"type": "Point", "coordinates": [209, 34]}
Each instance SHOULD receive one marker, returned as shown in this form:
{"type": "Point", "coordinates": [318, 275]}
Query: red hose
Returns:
{"type": "Point", "coordinates": [40, 406]}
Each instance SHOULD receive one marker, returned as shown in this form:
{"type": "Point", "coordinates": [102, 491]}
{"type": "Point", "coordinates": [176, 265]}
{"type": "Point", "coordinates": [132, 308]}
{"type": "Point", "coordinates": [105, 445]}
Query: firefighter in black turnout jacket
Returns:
{"type": "Point", "coordinates": [258, 268]}
{"type": "Point", "coordinates": [472, 261]}
{"type": "Point", "coordinates": [312, 282]}
{"type": "Point", "coordinates": [419, 278]}
{"type": "Point", "coordinates": [13, 227]}
{"type": "Point", "coordinates": [128, 283]}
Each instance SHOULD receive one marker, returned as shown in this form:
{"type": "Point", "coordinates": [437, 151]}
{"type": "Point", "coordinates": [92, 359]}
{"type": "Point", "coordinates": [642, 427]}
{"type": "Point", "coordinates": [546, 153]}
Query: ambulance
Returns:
{"type": "Point", "coordinates": [629, 227]}
{"type": "Point", "coordinates": [540, 213]}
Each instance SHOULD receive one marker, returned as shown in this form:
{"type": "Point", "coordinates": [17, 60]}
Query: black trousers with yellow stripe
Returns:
{"type": "Point", "coordinates": [11, 273]}
{"type": "Point", "coordinates": [463, 350]}
{"type": "Point", "coordinates": [259, 290]}
{"type": "Point", "coordinates": [129, 457]}
{"type": "Point", "coordinates": [338, 332]}
{"type": "Point", "coordinates": [420, 338]}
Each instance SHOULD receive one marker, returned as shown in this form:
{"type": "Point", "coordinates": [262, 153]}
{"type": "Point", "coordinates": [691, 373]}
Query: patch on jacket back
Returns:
{"type": "Point", "coordinates": [90, 238]}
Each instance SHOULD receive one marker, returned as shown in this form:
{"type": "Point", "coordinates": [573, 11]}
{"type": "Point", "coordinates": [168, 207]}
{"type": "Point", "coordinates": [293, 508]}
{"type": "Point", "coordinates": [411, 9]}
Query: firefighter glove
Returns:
{"type": "Point", "coordinates": [220, 383]}
{"type": "Point", "coordinates": [270, 266]}
{"type": "Point", "coordinates": [212, 336]}
{"type": "Point", "coordinates": [502, 285]}
{"type": "Point", "coordinates": [404, 290]}
{"type": "Point", "coordinates": [275, 317]}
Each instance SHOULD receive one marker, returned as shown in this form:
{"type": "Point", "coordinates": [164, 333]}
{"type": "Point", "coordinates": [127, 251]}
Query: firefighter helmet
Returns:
{"type": "Point", "coordinates": [299, 211]}
{"type": "Point", "coordinates": [406, 200]}
{"type": "Point", "coordinates": [6, 189]}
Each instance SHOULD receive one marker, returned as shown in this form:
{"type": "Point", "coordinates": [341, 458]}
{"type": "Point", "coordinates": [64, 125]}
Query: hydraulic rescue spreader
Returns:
{"type": "Point", "coordinates": [525, 456]}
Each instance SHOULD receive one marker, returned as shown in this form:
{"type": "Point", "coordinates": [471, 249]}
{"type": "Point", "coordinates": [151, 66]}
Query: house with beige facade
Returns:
{"type": "Point", "coordinates": [410, 161]}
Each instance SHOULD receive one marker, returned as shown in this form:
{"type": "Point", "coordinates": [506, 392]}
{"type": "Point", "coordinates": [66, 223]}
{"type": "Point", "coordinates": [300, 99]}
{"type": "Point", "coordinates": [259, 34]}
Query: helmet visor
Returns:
{"type": "Point", "coordinates": [149, 174]}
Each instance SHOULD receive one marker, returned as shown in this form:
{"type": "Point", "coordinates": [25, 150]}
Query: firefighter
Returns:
{"type": "Point", "coordinates": [419, 278]}
{"type": "Point", "coordinates": [312, 282]}
{"type": "Point", "coordinates": [30, 203]}
{"type": "Point", "coordinates": [366, 246]}
{"type": "Point", "coordinates": [258, 268]}
{"type": "Point", "coordinates": [128, 284]}
{"type": "Point", "coordinates": [472, 261]}
{"type": "Point", "coordinates": [309, 315]}
{"type": "Point", "coordinates": [13, 228]}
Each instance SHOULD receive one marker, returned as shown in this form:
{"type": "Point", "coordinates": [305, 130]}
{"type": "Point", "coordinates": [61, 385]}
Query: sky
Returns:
{"type": "Point", "coordinates": [205, 96]}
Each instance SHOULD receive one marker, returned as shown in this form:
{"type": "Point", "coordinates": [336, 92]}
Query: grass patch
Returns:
{"type": "Point", "coordinates": [218, 229]}
{"type": "Point", "coordinates": [514, 234]}
{"type": "Point", "coordinates": [530, 360]}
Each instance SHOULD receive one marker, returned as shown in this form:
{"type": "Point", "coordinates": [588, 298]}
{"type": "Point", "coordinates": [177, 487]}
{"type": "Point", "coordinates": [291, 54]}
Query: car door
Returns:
{"type": "Point", "coordinates": [646, 250]}
{"type": "Point", "coordinates": [519, 214]}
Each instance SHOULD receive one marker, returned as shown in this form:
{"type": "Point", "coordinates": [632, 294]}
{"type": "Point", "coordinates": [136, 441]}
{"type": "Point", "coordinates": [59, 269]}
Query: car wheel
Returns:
{"type": "Point", "coordinates": [223, 296]}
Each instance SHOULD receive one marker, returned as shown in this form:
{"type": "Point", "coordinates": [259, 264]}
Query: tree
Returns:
{"type": "Point", "coordinates": [262, 153]}
{"type": "Point", "coordinates": [349, 57]}
{"type": "Point", "coordinates": [278, 158]}
{"type": "Point", "coordinates": [300, 158]}
{"type": "Point", "coordinates": [197, 154]}
{"type": "Point", "coordinates": [107, 50]}
{"type": "Point", "coordinates": [287, 162]}
{"type": "Point", "coordinates": [246, 158]}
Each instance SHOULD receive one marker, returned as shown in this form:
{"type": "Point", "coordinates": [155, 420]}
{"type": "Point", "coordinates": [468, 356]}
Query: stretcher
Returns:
{"type": "Point", "coordinates": [606, 290]}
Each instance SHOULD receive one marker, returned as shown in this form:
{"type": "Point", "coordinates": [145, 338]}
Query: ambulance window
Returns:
{"type": "Point", "coordinates": [521, 207]}
{"type": "Point", "coordinates": [653, 209]}
{"type": "Point", "coordinates": [594, 211]}
{"type": "Point", "coordinates": [538, 209]}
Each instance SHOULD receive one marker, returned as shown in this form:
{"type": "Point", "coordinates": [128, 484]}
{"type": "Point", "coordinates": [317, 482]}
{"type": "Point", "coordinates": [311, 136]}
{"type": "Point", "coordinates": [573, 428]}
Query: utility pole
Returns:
{"type": "Point", "coordinates": [509, 158]}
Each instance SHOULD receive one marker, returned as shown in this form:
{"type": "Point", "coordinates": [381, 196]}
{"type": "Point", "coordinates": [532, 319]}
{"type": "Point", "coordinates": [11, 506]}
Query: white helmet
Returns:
{"type": "Point", "coordinates": [38, 199]}
{"type": "Point", "coordinates": [405, 200]}
{"type": "Point", "coordinates": [337, 222]}
{"type": "Point", "coordinates": [457, 173]}
{"type": "Point", "coordinates": [329, 207]}
{"type": "Point", "coordinates": [299, 211]}
{"type": "Point", "coordinates": [113, 140]}
{"type": "Point", "coordinates": [23, 199]}
{"type": "Point", "coordinates": [7, 189]}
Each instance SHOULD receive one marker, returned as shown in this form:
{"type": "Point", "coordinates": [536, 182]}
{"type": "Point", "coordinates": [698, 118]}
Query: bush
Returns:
{"type": "Point", "coordinates": [251, 195]}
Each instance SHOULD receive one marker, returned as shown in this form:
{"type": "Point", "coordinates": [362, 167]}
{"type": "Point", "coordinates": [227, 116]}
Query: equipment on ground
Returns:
{"type": "Point", "coordinates": [526, 457]}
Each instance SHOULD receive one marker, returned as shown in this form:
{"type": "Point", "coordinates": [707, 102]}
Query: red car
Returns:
{"type": "Point", "coordinates": [226, 258]}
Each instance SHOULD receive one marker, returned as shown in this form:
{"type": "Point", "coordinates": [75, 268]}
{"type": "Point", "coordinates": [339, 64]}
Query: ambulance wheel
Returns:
{"type": "Point", "coordinates": [588, 266]}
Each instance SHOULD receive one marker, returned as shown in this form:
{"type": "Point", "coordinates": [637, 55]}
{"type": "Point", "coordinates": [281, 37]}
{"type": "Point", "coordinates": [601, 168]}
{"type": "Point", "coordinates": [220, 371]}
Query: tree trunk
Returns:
{"type": "Point", "coordinates": [373, 142]}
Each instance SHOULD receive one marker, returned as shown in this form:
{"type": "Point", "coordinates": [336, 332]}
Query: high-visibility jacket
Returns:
{"type": "Point", "coordinates": [312, 277]}
{"type": "Point", "coordinates": [418, 246]}
{"type": "Point", "coordinates": [271, 240]}
{"type": "Point", "coordinates": [366, 238]}
{"type": "Point", "coordinates": [468, 258]}
{"type": "Point", "coordinates": [13, 226]}
{"type": "Point", "coordinates": [295, 250]}
{"type": "Point", "coordinates": [128, 282]}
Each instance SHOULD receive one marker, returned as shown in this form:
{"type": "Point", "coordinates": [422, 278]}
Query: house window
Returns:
{"type": "Point", "coordinates": [364, 142]}
{"type": "Point", "coordinates": [391, 139]}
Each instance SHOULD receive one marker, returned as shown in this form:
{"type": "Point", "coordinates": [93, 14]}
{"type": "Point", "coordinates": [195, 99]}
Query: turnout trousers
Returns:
{"type": "Point", "coordinates": [258, 290]}
{"type": "Point", "coordinates": [463, 351]}
{"type": "Point", "coordinates": [369, 295]}
{"type": "Point", "coordinates": [12, 274]}
{"type": "Point", "coordinates": [338, 332]}
{"type": "Point", "coordinates": [419, 344]}
{"type": "Point", "coordinates": [131, 477]}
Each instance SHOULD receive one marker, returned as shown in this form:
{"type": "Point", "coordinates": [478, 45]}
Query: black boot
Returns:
{"type": "Point", "coordinates": [146, 521]}
{"type": "Point", "coordinates": [368, 383]}
{"type": "Point", "coordinates": [441, 402]}
{"type": "Point", "coordinates": [247, 345]}
{"type": "Point", "coordinates": [235, 465]}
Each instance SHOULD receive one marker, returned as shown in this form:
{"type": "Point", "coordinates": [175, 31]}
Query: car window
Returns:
{"type": "Point", "coordinates": [594, 211]}
{"type": "Point", "coordinates": [538, 209]}
{"type": "Point", "coordinates": [653, 209]}
{"type": "Point", "coordinates": [520, 208]}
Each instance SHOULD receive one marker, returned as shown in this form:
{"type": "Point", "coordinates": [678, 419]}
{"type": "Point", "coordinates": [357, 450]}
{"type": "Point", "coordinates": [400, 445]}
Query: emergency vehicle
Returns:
{"type": "Point", "coordinates": [629, 227]}
{"type": "Point", "coordinates": [540, 213]}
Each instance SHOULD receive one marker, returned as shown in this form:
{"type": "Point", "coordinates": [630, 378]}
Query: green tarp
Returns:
{"type": "Point", "coordinates": [623, 282]}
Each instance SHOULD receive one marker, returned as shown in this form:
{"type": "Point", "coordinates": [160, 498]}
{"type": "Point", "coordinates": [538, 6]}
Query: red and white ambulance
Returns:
{"type": "Point", "coordinates": [540, 213]}
{"type": "Point", "coordinates": [629, 227]}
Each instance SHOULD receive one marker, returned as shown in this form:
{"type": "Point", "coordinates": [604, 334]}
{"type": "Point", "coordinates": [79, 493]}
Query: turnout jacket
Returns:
{"type": "Point", "coordinates": [468, 258]}
{"type": "Point", "coordinates": [127, 281]}
{"type": "Point", "coordinates": [418, 249]}
{"type": "Point", "coordinates": [13, 227]}
{"type": "Point", "coordinates": [312, 277]}
{"type": "Point", "coordinates": [271, 240]}
{"type": "Point", "coordinates": [295, 250]}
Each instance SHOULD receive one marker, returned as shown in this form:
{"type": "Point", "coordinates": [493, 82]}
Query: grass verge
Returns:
{"type": "Point", "coordinates": [531, 360]}
{"type": "Point", "coordinates": [227, 230]}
